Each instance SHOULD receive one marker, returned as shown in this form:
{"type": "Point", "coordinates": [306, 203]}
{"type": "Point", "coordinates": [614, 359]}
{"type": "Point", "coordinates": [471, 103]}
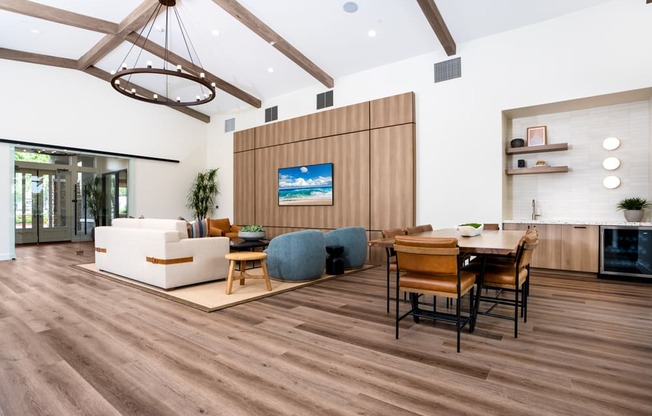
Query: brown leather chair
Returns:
{"type": "Point", "coordinates": [431, 266]}
{"type": "Point", "coordinates": [391, 256]}
{"type": "Point", "coordinates": [222, 227]}
{"type": "Point", "coordinates": [418, 229]}
{"type": "Point", "coordinates": [508, 277]}
{"type": "Point", "coordinates": [491, 226]}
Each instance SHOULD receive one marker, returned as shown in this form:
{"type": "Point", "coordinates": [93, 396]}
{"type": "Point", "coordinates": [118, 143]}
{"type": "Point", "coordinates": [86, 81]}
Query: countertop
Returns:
{"type": "Point", "coordinates": [578, 222]}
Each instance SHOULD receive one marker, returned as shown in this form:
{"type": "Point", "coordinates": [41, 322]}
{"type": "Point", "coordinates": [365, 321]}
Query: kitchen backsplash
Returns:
{"type": "Point", "coordinates": [579, 193]}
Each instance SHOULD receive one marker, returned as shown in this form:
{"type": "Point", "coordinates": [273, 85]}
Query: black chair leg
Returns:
{"type": "Point", "coordinates": [414, 302]}
{"type": "Point", "coordinates": [516, 313]}
{"type": "Point", "coordinates": [458, 309]}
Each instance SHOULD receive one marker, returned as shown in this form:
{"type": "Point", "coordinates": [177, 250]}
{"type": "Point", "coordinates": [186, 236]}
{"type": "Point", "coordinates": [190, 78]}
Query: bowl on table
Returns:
{"type": "Point", "coordinates": [470, 229]}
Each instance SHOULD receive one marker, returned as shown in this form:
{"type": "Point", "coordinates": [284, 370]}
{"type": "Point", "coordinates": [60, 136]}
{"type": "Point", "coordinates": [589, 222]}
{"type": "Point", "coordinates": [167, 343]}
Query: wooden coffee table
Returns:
{"type": "Point", "coordinates": [243, 257]}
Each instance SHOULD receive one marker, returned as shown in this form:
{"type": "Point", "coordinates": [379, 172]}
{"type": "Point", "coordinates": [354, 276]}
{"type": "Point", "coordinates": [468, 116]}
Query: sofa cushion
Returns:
{"type": "Point", "coordinates": [198, 229]}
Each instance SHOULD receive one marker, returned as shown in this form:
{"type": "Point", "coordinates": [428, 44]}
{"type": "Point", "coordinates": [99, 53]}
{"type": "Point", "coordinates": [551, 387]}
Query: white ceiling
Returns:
{"type": "Point", "coordinates": [334, 40]}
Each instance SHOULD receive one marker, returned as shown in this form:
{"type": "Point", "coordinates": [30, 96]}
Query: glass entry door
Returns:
{"type": "Point", "coordinates": [41, 205]}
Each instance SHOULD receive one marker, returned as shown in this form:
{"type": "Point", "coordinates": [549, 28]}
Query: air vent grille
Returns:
{"type": "Point", "coordinates": [448, 70]}
{"type": "Point", "coordinates": [271, 114]}
{"type": "Point", "coordinates": [229, 125]}
{"type": "Point", "coordinates": [325, 99]}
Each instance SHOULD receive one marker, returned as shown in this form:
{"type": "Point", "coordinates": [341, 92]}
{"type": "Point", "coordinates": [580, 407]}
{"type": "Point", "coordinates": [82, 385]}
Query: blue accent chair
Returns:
{"type": "Point", "coordinates": [354, 241]}
{"type": "Point", "coordinates": [297, 256]}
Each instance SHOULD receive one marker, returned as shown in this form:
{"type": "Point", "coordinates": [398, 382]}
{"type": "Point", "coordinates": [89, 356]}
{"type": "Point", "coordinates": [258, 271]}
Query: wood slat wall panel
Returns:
{"type": "Point", "coordinates": [244, 188]}
{"type": "Point", "coordinates": [326, 123]}
{"type": "Point", "coordinates": [350, 157]}
{"type": "Point", "coordinates": [393, 177]}
{"type": "Point", "coordinates": [391, 111]}
{"type": "Point", "coordinates": [243, 140]}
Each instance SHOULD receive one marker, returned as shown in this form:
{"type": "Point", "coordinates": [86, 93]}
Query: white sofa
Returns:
{"type": "Point", "coordinates": [158, 252]}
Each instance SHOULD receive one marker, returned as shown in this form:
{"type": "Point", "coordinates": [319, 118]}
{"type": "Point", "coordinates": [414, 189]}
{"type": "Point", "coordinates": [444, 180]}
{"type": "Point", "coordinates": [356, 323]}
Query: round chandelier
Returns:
{"type": "Point", "coordinates": [188, 84]}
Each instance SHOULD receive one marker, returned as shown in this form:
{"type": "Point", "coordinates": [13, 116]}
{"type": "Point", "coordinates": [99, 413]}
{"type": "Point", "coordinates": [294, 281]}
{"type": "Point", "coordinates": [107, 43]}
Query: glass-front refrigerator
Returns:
{"type": "Point", "coordinates": [626, 251]}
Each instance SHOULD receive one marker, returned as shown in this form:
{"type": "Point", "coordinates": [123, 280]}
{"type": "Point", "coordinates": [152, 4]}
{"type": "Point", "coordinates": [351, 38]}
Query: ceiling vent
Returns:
{"type": "Point", "coordinates": [271, 114]}
{"type": "Point", "coordinates": [448, 70]}
{"type": "Point", "coordinates": [229, 125]}
{"type": "Point", "coordinates": [325, 99]}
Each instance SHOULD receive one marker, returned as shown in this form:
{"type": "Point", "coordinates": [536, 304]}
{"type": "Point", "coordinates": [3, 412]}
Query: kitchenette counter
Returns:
{"type": "Point", "coordinates": [578, 222]}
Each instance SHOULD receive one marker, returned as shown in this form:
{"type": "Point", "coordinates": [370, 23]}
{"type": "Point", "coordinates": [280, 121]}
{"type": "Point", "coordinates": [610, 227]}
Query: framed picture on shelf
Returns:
{"type": "Point", "coordinates": [536, 136]}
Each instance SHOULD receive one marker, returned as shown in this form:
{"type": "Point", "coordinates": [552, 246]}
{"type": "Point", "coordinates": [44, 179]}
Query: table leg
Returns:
{"type": "Point", "coordinates": [243, 266]}
{"type": "Point", "coordinates": [265, 275]}
{"type": "Point", "coordinates": [229, 281]}
{"type": "Point", "coordinates": [476, 305]}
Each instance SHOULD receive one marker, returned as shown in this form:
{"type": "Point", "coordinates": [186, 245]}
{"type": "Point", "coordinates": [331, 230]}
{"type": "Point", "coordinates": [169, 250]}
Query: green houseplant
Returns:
{"type": "Point", "coordinates": [252, 232]}
{"type": "Point", "coordinates": [201, 196]}
{"type": "Point", "coordinates": [94, 195]}
{"type": "Point", "coordinates": [633, 208]}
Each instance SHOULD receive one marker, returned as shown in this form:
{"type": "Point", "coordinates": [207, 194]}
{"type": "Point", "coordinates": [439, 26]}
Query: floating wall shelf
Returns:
{"type": "Point", "coordinates": [537, 149]}
{"type": "Point", "coordinates": [540, 169]}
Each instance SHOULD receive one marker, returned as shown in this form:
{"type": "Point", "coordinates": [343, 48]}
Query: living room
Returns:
{"type": "Point", "coordinates": [595, 58]}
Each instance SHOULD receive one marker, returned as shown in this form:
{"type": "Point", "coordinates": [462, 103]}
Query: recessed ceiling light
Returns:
{"type": "Point", "coordinates": [350, 7]}
{"type": "Point", "coordinates": [372, 33]}
{"type": "Point", "coordinates": [215, 32]}
{"type": "Point", "coordinates": [270, 69]}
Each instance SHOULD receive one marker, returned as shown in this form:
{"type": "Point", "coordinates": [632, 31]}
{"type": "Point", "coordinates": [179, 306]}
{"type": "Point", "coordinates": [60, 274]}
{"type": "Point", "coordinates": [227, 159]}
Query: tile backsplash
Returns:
{"type": "Point", "coordinates": [579, 194]}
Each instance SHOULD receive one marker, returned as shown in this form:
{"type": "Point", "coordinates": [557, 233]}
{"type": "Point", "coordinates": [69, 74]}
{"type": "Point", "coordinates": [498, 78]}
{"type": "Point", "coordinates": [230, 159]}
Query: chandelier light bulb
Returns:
{"type": "Point", "coordinates": [117, 82]}
{"type": "Point", "coordinates": [112, 72]}
{"type": "Point", "coordinates": [179, 68]}
{"type": "Point", "coordinates": [133, 90]}
{"type": "Point", "coordinates": [149, 64]}
{"type": "Point", "coordinates": [202, 75]}
{"type": "Point", "coordinates": [124, 65]}
{"type": "Point", "coordinates": [178, 99]}
{"type": "Point", "coordinates": [155, 96]}
{"type": "Point", "coordinates": [213, 84]}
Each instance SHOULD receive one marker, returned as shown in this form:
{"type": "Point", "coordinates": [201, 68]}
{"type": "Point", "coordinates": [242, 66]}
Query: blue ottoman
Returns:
{"type": "Point", "coordinates": [354, 241]}
{"type": "Point", "coordinates": [296, 256]}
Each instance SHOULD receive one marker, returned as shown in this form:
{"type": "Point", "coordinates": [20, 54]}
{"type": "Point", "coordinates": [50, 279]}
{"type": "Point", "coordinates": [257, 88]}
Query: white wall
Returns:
{"type": "Point", "coordinates": [69, 108]}
{"type": "Point", "coordinates": [597, 51]}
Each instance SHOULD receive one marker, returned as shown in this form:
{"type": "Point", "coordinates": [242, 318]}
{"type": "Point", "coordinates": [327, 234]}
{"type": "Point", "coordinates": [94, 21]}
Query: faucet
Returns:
{"type": "Point", "coordinates": [534, 210]}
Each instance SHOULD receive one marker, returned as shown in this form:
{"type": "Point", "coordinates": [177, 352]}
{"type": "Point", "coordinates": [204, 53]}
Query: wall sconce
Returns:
{"type": "Point", "coordinates": [611, 163]}
{"type": "Point", "coordinates": [611, 182]}
{"type": "Point", "coordinates": [611, 143]}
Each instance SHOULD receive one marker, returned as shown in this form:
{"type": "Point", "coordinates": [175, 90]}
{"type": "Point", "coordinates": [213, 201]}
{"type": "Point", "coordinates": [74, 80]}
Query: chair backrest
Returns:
{"type": "Point", "coordinates": [529, 242]}
{"type": "Point", "coordinates": [431, 256]}
{"type": "Point", "coordinates": [418, 229]}
{"type": "Point", "coordinates": [392, 232]}
{"type": "Point", "coordinates": [491, 226]}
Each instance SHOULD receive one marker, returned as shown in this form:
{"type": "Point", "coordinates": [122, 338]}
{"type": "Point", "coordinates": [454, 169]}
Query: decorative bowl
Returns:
{"type": "Point", "coordinates": [468, 230]}
{"type": "Point", "coordinates": [251, 235]}
{"type": "Point", "coordinates": [518, 142]}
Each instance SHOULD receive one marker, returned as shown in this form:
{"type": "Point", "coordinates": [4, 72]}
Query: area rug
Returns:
{"type": "Point", "coordinates": [211, 296]}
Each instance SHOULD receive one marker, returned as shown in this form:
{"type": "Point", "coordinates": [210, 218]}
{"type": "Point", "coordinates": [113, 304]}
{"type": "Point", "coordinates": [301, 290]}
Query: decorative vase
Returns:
{"type": "Point", "coordinates": [633, 215]}
{"type": "Point", "coordinates": [251, 235]}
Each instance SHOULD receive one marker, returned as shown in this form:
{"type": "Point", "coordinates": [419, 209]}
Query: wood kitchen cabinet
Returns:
{"type": "Point", "coordinates": [580, 246]}
{"type": "Point", "coordinates": [564, 246]}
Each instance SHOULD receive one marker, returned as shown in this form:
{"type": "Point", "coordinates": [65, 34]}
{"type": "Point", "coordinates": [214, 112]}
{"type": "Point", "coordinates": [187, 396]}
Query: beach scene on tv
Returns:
{"type": "Point", "coordinates": [306, 185]}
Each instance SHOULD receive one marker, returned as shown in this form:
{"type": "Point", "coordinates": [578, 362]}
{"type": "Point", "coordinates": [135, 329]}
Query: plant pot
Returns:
{"type": "Point", "coordinates": [633, 215]}
{"type": "Point", "coordinates": [251, 235]}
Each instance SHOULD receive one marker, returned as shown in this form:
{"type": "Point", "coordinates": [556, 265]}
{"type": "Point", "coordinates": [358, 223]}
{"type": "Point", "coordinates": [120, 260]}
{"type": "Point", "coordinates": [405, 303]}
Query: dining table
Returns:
{"type": "Point", "coordinates": [487, 243]}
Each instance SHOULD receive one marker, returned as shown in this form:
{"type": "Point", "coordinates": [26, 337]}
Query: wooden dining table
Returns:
{"type": "Point", "coordinates": [489, 242]}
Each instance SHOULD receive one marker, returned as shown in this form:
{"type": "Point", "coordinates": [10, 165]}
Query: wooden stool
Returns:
{"type": "Point", "coordinates": [243, 257]}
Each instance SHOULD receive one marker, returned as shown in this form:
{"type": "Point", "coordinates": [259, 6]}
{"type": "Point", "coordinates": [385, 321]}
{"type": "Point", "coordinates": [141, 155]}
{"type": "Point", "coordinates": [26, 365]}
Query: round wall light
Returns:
{"type": "Point", "coordinates": [611, 182]}
{"type": "Point", "coordinates": [611, 143]}
{"type": "Point", "coordinates": [611, 163]}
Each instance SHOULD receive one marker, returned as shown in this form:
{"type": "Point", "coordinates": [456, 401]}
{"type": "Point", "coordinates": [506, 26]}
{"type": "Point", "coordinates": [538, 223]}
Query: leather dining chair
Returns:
{"type": "Point", "coordinates": [418, 229]}
{"type": "Point", "coordinates": [510, 276]}
{"type": "Point", "coordinates": [391, 256]}
{"type": "Point", "coordinates": [431, 266]}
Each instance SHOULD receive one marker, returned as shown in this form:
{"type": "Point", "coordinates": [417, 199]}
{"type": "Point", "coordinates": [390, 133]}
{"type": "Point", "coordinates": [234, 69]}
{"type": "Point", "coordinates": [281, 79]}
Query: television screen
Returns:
{"type": "Point", "coordinates": [306, 185]}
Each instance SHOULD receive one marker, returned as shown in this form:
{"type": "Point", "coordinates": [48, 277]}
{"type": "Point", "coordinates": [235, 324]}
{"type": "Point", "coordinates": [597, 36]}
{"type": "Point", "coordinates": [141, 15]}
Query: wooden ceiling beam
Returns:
{"type": "Point", "coordinates": [136, 20]}
{"type": "Point", "coordinates": [96, 72]}
{"type": "Point", "coordinates": [430, 10]}
{"type": "Point", "coordinates": [248, 19]}
{"type": "Point", "coordinates": [35, 58]}
{"type": "Point", "coordinates": [187, 65]}
{"type": "Point", "coordinates": [53, 14]}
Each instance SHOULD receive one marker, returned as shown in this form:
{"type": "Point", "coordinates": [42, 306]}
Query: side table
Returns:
{"type": "Point", "coordinates": [243, 257]}
{"type": "Point", "coordinates": [334, 261]}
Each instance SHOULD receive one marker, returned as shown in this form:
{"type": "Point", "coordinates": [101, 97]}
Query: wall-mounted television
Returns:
{"type": "Point", "coordinates": [306, 185]}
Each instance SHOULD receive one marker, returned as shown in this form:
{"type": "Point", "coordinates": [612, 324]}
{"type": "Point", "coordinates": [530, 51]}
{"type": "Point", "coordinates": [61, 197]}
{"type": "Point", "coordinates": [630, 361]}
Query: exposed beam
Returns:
{"type": "Point", "coordinates": [96, 72]}
{"type": "Point", "coordinates": [248, 19]}
{"type": "Point", "coordinates": [187, 65]}
{"type": "Point", "coordinates": [131, 23]}
{"type": "Point", "coordinates": [437, 23]}
{"type": "Point", "coordinates": [35, 58]}
{"type": "Point", "coordinates": [53, 14]}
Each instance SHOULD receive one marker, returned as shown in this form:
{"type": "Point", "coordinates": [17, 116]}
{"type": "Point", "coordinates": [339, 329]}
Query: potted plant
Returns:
{"type": "Point", "coordinates": [94, 196]}
{"type": "Point", "coordinates": [633, 208]}
{"type": "Point", "coordinates": [252, 232]}
{"type": "Point", "coordinates": [201, 196]}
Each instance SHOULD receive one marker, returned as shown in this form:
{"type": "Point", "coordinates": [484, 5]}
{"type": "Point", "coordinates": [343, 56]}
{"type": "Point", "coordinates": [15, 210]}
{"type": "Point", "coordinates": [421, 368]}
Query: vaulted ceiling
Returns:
{"type": "Point", "coordinates": [258, 49]}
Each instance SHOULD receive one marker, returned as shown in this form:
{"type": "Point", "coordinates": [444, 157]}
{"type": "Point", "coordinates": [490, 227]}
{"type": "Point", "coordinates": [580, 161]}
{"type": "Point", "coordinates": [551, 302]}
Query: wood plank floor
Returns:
{"type": "Point", "coordinates": [72, 343]}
